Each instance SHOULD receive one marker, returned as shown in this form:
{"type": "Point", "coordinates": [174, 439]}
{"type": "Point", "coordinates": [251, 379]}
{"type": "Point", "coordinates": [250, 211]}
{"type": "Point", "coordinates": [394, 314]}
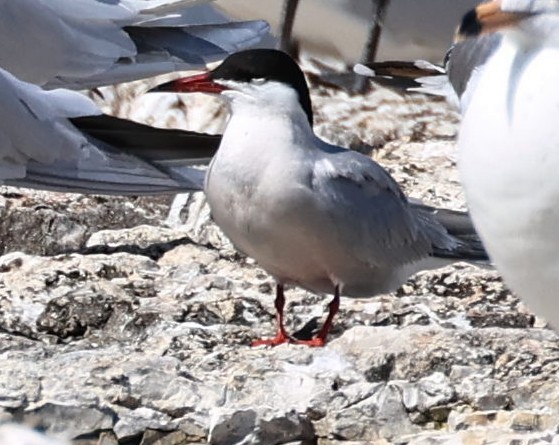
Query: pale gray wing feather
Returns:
{"type": "Point", "coordinates": [468, 56]}
{"type": "Point", "coordinates": [463, 60]}
{"type": "Point", "coordinates": [371, 214]}
{"type": "Point", "coordinates": [164, 50]}
{"type": "Point", "coordinates": [88, 43]}
{"type": "Point", "coordinates": [39, 147]}
{"type": "Point", "coordinates": [34, 125]}
{"type": "Point", "coordinates": [39, 43]}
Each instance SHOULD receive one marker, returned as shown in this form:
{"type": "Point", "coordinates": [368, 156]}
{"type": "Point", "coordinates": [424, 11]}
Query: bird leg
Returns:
{"type": "Point", "coordinates": [320, 339]}
{"type": "Point", "coordinates": [287, 21]}
{"type": "Point", "coordinates": [281, 335]}
{"type": "Point", "coordinates": [371, 46]}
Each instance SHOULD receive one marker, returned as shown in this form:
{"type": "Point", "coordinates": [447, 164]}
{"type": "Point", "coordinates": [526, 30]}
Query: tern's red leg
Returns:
{"type": "Point", "coordinates": [320, 339]}
{"type": "Point", "coordinates": [281, 335]}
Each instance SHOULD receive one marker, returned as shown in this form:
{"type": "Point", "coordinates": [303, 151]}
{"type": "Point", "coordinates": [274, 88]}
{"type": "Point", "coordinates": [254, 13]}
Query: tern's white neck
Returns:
{"type": "Point", "coordinates": [266, 117]}
{"type": "Point", "coordinates": [266, 100]}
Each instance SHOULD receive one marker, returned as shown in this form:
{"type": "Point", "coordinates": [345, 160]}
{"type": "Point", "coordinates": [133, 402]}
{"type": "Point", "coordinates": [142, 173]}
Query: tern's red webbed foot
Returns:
{"type": "Point", "coordinates": [279, 339]}
{"type": "Point", "coordinates": [315, 342]}
{"type": "Point", "coordinates": [282, 337]}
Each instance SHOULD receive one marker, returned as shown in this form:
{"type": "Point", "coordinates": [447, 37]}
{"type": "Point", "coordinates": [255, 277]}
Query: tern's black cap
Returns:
{"type": "Point", "coordinates": [268, 64]}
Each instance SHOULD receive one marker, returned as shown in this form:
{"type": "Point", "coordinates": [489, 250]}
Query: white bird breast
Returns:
{"type": "Point", "coordinates": [509, 162]}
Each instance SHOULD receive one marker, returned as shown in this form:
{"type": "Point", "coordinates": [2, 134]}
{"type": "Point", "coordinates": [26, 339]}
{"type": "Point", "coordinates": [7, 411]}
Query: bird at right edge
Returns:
{"type": "Point", "coordinates": [509, 146]}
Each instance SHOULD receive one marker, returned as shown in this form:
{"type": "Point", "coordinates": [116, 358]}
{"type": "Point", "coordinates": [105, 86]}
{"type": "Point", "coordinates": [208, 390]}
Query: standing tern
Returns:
{"type": "Point", "coordinates": [59, 140]}
{"type": "Point", "coordinates": [312, 214]}
{"type": "Point", "coordinates": [83, 44]}
{"type": "Point", "coordinates": [509, 146]}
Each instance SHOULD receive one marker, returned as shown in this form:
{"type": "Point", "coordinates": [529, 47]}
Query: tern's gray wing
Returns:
{"type": "Point", "coordinates": [466, 57]}
{"type": "Point", "coordinates": [59, 140]}
{"type": "Point", "coordinates": [371, 214]}
{"type": "Point", "coordinates": [88, 43]}
{"type": "Point", "coordinates": [163, 50]}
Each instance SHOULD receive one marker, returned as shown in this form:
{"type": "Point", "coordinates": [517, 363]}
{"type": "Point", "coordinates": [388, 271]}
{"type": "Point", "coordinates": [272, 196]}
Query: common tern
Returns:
{"type": "Point", "coordinates": [312, 214]}
{"type": "Point", "coordinates": [83, 44]}
{"type": "Point", "coordinates": [59, 140]}
{"type": "Point", "coordinates": [509, 146]}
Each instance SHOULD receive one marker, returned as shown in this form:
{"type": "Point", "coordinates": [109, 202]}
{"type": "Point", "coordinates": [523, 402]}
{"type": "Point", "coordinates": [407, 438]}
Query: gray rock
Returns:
{"type": "Point", "coordinates": [428, 392]}
{"type": "Point", "coordinates": [107, 438]}
{"type": "Point", "coordinates": [55, 223]}
{"type": "Point", "coordinates": [13, 434]}
{"type": "Point", "coordinates": [134, 423]}
{"type": "Point", "coordinates": [155, 437]}
{"type": "Point", "coordinates": [70, 420]}
{"type": "Point", "coordinates": [249, 427]}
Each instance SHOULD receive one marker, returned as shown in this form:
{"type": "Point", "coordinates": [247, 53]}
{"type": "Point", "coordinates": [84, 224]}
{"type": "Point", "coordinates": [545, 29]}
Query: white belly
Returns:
{"type": "Point", "coordinates": [275, 218]}
{"type": "Point", "coordinates": [509, 162]}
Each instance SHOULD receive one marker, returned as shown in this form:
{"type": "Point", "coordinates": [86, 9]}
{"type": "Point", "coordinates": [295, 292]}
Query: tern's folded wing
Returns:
{"type": "Point", "coordinates": [59, 140]}
{"type": "Point", "coordinates": [88, 43]}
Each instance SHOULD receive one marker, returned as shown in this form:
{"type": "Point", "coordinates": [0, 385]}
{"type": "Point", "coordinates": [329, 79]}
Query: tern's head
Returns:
{"type": "Point", "coordinates": [262, 77]}
{"type": "Point", "coordinates": [527, 19]}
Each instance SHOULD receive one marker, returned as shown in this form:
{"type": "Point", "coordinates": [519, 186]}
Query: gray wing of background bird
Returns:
{"type": "Point", "coordinates": [88, 43]}
{"type": "Point", "coordinates": [371, 214]}
{"type": "Point", "coordinates": [462, 61]}
{"type": "Point", "coordinates": [464, 58]}
{"type": "Point", "coordinates": [59, 140]}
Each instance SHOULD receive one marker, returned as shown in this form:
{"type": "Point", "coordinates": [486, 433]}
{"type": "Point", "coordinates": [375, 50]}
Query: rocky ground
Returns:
{"type": "Point", "coordinates": [117, 327]}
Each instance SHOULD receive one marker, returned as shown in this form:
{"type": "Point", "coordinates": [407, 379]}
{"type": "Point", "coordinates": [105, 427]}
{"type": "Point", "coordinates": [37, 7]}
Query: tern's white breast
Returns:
{"type": "Point", "coordinates": [509, 162]}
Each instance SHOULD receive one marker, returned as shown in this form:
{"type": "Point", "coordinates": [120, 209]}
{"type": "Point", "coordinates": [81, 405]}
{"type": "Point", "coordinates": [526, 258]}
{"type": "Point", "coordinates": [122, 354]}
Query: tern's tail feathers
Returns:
{"type": "Point", "coordinates": [467, 245]}
{"type": "Point", "coordinates": [121, 157]}
{"type": "Point", "coordinates": [466, 249]}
